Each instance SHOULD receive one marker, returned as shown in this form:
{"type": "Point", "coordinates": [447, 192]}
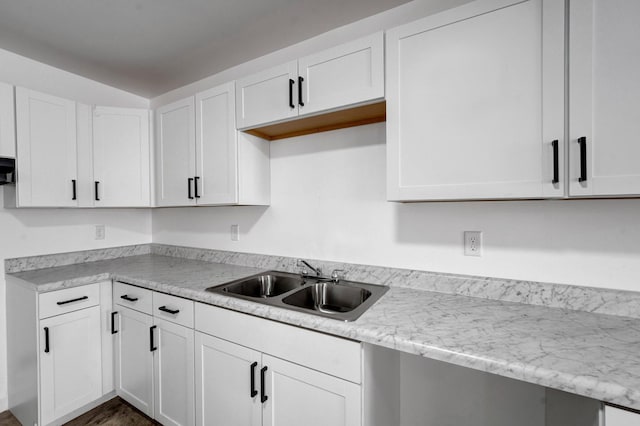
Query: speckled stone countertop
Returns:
{"type": "Point", "coordinates": [593, 355]}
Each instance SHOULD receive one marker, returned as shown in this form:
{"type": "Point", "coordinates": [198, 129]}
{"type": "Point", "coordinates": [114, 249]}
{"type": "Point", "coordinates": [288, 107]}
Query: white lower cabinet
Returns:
{"type": "Point", "coordinates": [155, 356]}
{"type": "Point", "coordinates": [134, 359]}
{"type": "Point", "coordinates": [614, 416]}
{"type": "Point", "coordinates": [70, 362]}
{"type": "Point", "coordinates": [256, 372]}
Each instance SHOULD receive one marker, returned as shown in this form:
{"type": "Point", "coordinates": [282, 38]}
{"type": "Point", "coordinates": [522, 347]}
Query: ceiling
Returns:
{"type": "Point", "coordinates": [149, 47]}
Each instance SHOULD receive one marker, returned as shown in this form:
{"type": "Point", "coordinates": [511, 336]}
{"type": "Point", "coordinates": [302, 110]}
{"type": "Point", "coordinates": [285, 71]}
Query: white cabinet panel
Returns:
{"type": "Point", "coordinates": [46, 150]}
{"type": "Point", "coordinates": [466, 91]}
{"type": "Point", "coordinates": [298, 395]}
{"type": "Point", "coordinates": [604, 92]}
{"type": "Point", "coordinates": [175, 153]}
{"type": "Point", "coordinates": [121, 157]}
{"type": "Point", "coordinates": [224, 395]}
{"type": "Point", "coordinates": [347, 74]}
{"type": "Point", "coordinates": [618, 417]}
{"type": "Point", "coordinates": [70, 362]}
{"type": "Point", "coordinates": [216, 146]}
{"type": "Point", "coordinates": [134, 359]}
{"type": "Point", "coordinates": [174, 374]}
{"type": "Point", "coordinates": [268, 96]}
{"type": "Point", "coordinates": [7, 122]}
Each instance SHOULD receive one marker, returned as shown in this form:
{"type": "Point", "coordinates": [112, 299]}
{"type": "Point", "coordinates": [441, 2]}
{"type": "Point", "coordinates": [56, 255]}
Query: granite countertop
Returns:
{"type": "Point", "coordinates": [593, 355]}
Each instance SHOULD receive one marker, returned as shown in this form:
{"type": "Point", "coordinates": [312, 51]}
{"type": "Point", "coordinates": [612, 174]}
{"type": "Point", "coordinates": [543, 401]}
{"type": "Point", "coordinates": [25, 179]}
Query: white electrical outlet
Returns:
{"type": "Point", "coordinates": [235, 232]}
{"type": "Point", "coordinates": [472, 243]}
{"type": "Point", "coordinates": [100, 231]}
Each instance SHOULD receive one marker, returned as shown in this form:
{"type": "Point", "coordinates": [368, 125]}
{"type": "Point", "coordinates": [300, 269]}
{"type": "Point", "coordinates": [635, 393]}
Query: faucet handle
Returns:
{"type": "Point", "coordinates": [337, 275]}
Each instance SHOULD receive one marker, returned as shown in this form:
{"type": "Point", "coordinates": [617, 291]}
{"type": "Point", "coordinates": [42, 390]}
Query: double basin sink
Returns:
{"type": "Point", "coordinates": [343, 300]}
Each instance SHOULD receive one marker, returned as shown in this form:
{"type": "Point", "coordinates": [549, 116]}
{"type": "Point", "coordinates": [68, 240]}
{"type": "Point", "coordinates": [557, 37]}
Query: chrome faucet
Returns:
{"type": "Point", "coordinates": [302, 263]}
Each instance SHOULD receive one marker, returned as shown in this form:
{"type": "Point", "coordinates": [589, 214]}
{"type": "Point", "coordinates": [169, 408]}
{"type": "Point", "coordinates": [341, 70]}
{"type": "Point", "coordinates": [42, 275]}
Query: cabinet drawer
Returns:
{"type": "Point", "coordinates": [68, 300]}
{"type": "Point", "coordinates": [172, 308]}
{"type": "Point", "coordinates": [332, 355]}
{"type": "Point", "coordinates": [132, 297]}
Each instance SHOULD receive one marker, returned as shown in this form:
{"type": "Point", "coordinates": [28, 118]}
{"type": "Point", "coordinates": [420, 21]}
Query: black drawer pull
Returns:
{"type": "Point", "coordinates": [46, 340]}
{"type": "Point", "coordinates": [195, 186]}
{"type": "Point", "coordinates": [263, 396]}
{"type": "Point", "coordinates": [189, 183]}
{"type": "Point", "coordinates": [253, 392]}
{"type": "Point", "coordinates": [152, 347]}
{"type": "Point", "coordinates": [113, 322]}
{"type": "Point", "coordinates": [64, 302]}
{"type": "Point", "coordinates": [75, 190]}
{"type": "Point", "coordinates": [97, 192]}
{"type": "Point", "coordinates": [128, 299]}
{"type": "Point", "coordinates": [583, 159]}
{"type": "Point", "coordinates": [169, 311]}
{"type": "Point", "coordinates": [291, 83]}
{"type": "Point", "coordinates": [556, 164]}
{"type": "Point", "coordinates": [300, 81]}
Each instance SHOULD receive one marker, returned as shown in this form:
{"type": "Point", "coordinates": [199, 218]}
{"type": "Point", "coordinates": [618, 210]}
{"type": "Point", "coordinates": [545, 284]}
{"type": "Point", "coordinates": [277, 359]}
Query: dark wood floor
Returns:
{"type": "Point", "coordinates": [115, 412]}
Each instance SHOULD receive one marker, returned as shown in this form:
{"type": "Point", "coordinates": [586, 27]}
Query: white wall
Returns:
{"type": "Point", "coordinates": [27, 232]}
{"type": "Point", "coordinates": [328, 202]}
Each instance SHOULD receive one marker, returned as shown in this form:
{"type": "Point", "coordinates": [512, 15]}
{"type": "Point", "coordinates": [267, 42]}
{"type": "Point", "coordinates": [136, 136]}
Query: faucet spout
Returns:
{"type": "Point", "coordinates": [302, 262]}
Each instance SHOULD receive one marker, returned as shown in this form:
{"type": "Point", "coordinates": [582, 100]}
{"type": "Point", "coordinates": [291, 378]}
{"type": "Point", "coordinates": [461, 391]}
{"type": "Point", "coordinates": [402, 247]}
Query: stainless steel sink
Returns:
{"type": "Point", "coordinates": [344, 301]}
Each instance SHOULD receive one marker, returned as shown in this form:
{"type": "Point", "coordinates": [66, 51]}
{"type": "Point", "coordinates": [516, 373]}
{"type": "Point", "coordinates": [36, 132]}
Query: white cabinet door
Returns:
{"type": "Point", "coordinates": [348, 74]}
{"type": "Point", "coordinates": [175, 153]}
{"type": "Point", "coordinates": [301, 396]}
{"type": "Point", "coordinates": [7, 122]}
{"type": "Point", "coordinates": [268, 96]}
{"type": "Point", "coordinates": [174, 374]}
{"type": "Point", "coordinates": [46, 150]}
{"type": "Point", "coordinates": [134, 359]}
{"type": "Point", "coordinates": [618, 417]}
{"type": "Point", "coordinates": [70, 362]}
{"type": "Point", "coordinates": [475, 100]}
{"type": "Point", "coordinates": [224, 391]}
{"type": "Point", "coordinates": [121, 157]}
{"type": "Point", "coordinates": [216, 146]}
{"type": "Point", "coordinates": [604, 91]}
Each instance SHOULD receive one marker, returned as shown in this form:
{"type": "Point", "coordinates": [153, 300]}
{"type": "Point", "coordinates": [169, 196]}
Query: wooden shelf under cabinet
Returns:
{"type": "Point", "coordinates": [358, 116]}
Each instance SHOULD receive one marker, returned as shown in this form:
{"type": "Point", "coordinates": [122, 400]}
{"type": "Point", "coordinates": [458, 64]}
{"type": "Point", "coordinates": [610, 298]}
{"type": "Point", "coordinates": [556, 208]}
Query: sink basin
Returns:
{"type": "Point", "coordinates": [344, 301]}
{"type": "Point", "coordinates": [264, 285]}
{"type": "Point", "coordinates": [328, 298]}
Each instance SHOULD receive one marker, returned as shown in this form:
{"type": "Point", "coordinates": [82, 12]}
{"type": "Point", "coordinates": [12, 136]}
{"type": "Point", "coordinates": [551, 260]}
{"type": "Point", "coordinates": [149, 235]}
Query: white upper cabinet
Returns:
{"type": "Point", "coordinates": [46, 150]}
{"type": "Point", "coordinates": [203, 160]}
{"type": "Point", "coordinates": [267, 96]}
{"type": "Point", "coordinates": [216, 146]}
{"type": "Point", "coordinates": [175, 153]}
{"type": "Point", "coordinates": [121, 157]}
{"type": "Point", "coordinates": [343, 76]}
{"type": "Point", "coordinates": [7, 122]}
{"type": "Point", "coordinates": [348, 74]}
{"type": "Point", "coordinates": [604, 112]}
{"type": "Point", "coordinates": [475, 103]}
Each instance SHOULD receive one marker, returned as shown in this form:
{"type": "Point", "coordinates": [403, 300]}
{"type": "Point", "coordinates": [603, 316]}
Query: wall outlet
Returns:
{"type": "Point", "coordinates": [472, 243]}
{"type": "Point", "coordinates": [100, 231]}
{"type": "Point", "coordinates": [235, 232]}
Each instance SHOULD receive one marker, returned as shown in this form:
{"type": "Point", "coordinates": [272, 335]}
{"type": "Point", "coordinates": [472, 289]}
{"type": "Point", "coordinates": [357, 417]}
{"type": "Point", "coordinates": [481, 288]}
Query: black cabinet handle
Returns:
{"type": "Point", "coordinates": [167, 310]}
{"type": "Point", "coordinates": [128, 299]}
{"type": "Point", "coordinates": [556, 164]}
{"type": "Point", "coordinates": [189, 183]}
{"type": "Point", "coordinates": [64, 302]}
{"type": "Point", "coordinates": [291, 83]}
{"type": "Point", "coordinates": [97, 193]}
{"type": "Point", "coordinates": [113, 322]}
{"type": "Point", "coordinates": [74, 189]}
{"type": "Point", "coordinates": [151, 345]}
{"type": "Point", "coordinates": [195, 186]}
{"type": "Point", "coordinates": [46, 340]}
{"type": "Point", "coordinates": [583, 159]}
{"type": "Point", "coordinates": [300, 81]}
{"type": "Point", "coordinates": [253, 392]}
{"type": "Point", "coordinates": [263, 396]}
